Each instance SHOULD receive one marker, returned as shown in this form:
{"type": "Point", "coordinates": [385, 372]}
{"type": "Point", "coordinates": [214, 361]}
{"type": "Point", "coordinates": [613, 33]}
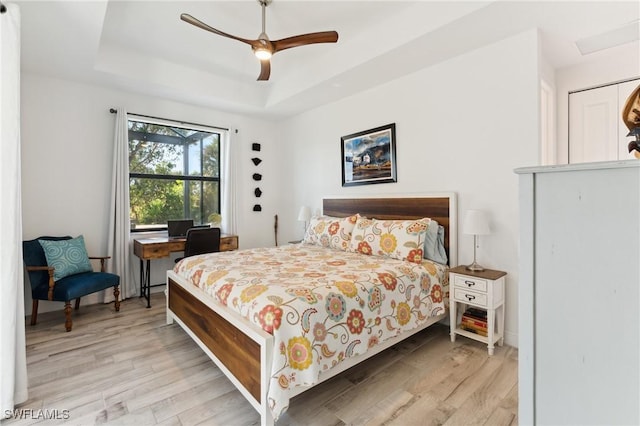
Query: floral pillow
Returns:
{"type": "Point", "coordinates": [333, 232]}
{"type": "Point", "coordinates": [398, 239]}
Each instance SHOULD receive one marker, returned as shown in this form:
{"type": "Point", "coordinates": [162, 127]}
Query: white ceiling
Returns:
{"type": "Point", "coordinates": [143, 46]}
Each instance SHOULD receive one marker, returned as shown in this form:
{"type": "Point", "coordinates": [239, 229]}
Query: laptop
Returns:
{"type": "Point", "coordinates": [178, 228]}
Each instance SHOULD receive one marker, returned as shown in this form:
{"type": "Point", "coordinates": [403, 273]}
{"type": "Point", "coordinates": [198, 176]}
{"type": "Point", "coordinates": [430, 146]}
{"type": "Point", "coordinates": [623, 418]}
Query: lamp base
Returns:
{"type": "Point", "coordinates": [475, 267]}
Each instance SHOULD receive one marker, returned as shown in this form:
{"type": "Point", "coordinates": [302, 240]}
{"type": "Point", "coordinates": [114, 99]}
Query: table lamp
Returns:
{"type": "Point", "coordinates": [475, 223]}
{"type": "Point", "coordinates": [304, 215]}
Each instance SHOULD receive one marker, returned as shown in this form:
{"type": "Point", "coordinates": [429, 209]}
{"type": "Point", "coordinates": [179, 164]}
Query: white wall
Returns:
{"type": "Point", "coordinates": [613, 65]}
{"type": "Point", "coordinates": [67, 140]}
{"type": "Point", "coordinates": [461, 126]}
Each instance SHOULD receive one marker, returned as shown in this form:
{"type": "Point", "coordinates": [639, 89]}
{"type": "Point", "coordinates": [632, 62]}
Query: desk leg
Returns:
{"type": "Point", "coordinates": [141, 278]}
{"type": "Point", "coordinates": [145, 281]}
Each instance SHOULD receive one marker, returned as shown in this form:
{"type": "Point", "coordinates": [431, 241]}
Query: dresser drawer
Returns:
{"type": "Point", "coordinates": [471, 283]}
{"type": "Point", "coordinates": [465, 296]}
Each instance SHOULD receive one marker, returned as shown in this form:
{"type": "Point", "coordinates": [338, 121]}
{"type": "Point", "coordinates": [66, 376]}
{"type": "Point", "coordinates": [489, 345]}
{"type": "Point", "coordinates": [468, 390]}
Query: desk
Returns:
{"type": "Point", "coordinates": [160, 247]}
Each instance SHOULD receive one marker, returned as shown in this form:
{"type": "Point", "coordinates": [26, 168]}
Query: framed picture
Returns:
{"type": "Point", "coordinates": [369, 156]}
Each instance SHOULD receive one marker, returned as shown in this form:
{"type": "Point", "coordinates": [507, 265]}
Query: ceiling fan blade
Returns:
{"type": "Point", "coordinates": [193, 21]}
{"type": "Point", "coordinates": [304, 39]}
{"type": "Point", "coordinates": [265, 70]}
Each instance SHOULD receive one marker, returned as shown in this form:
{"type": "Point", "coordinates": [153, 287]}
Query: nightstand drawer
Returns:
{"type": "Point", "coordinates": [471, 283]}
{"type": "Point", "coordinates": [465, 296]}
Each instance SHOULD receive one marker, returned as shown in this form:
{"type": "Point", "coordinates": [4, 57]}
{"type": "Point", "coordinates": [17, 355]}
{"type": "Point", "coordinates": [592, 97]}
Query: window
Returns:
{"type": "Point", "coordinates": [174, 172]}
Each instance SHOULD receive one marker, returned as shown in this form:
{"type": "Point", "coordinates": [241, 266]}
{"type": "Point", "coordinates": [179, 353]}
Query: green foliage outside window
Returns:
{"type": "Point", "coordinates": [174, 174]}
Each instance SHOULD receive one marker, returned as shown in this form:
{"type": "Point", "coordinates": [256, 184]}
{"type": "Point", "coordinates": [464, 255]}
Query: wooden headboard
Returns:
{"type": "Point", "coordinates": [440, 207]}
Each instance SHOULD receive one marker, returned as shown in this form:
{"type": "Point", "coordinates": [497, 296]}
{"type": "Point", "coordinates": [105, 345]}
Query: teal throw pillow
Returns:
{"type": "Point", "coordinates": [68, 257]}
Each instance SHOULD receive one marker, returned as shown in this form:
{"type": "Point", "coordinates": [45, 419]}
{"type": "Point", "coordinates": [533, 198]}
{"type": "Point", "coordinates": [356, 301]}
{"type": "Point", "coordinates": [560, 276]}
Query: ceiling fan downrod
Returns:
{"type": "Point", "coordinates": [265, 50]}
{"type": "Point", "coordinates": [264, 4]}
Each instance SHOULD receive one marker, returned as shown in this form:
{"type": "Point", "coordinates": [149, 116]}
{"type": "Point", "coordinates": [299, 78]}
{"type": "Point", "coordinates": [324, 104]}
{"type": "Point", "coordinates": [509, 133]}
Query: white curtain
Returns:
{"type": "Point", "coordinates": [119, 222]}
{"type": "Point", "coordinates": [229, 206]}
{"type": "Point", "coordinates": [13, 359]}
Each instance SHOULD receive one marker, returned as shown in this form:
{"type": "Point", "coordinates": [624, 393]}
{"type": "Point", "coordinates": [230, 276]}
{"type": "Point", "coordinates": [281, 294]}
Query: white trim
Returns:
{"type": "Point", "coordinates": [548, 146]}
{"type": "Point", "coordinates": [526, 304]}
{"type": "Point", "coordinates": [579, 166]}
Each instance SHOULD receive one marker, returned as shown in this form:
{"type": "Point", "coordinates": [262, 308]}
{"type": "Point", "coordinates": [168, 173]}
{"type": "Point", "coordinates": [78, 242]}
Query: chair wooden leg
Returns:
{"type": "Point", "coordinates": [116, 294]}
{"type": "Point", "coordinates": [34, 312]}
{"type": "Point", "coordinates": [67, 313]}
{"type": "Point", "coordinates": [77, 303]}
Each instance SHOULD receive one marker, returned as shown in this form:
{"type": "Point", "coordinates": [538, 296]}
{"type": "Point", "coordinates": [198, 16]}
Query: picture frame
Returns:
{"type": "Point", "coordinates": [369, 156]}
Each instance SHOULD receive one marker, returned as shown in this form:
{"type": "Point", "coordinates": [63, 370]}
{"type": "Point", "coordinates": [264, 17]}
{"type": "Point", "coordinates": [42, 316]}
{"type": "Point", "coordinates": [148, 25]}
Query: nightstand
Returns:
{"type": "Point", "coordinates": [483, 290]}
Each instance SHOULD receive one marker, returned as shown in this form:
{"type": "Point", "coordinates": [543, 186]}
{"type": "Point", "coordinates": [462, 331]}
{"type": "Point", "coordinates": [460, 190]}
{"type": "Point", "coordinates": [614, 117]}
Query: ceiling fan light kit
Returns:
{"type": "Point", "coordinates": [262, 47]}
{"type": "Point", "coordinates": [262, 54]}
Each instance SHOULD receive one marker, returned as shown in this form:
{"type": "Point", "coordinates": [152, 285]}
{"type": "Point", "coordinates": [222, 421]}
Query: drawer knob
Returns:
{"type": "Point", "coordinates": [469, 297]}
{"type": "Point", "coordinates": [469, 283]}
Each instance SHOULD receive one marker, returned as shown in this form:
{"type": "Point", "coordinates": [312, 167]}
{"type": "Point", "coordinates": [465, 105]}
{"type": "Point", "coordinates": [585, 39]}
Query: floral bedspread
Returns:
{"type": "Point", "coordinates": [321, 305]}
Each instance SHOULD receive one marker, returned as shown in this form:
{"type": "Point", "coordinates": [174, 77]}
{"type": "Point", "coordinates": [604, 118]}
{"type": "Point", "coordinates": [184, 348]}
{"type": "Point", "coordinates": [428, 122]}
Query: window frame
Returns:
{"type": "Point", "coordinates": [221, 132]}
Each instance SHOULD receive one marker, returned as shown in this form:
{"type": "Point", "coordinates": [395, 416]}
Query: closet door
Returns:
{"type": "Point", "coordinates": [593, 125]}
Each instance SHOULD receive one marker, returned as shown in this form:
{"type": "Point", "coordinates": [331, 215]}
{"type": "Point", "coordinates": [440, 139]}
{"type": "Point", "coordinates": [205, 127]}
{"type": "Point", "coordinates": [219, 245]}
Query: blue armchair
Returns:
{"type": "Point", "coordinates": [73, 278]}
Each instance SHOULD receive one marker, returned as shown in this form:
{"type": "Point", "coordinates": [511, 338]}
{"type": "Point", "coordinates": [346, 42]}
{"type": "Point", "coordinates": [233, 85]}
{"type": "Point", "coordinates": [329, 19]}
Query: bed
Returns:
{"type": "Point", "coordinates": [278, 321]}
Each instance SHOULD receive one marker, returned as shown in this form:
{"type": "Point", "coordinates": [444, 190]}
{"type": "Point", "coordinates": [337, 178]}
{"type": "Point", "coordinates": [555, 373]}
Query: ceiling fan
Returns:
{"type": "Point", "coordinates": [264, 48]}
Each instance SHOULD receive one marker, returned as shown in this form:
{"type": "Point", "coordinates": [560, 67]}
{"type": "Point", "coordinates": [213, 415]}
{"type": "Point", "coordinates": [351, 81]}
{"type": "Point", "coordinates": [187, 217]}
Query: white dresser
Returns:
{"type": "Point", "coordinates": [579, 303]}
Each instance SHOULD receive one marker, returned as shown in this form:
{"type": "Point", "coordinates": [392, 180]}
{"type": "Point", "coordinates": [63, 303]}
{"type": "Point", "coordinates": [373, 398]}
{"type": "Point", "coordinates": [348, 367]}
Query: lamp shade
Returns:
{"type": "Point", "coordinates": [305, 214]}
{"type": "Point", "coordinates": [476, 223]}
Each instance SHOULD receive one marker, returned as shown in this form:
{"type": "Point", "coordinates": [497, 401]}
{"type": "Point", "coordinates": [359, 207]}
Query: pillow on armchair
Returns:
{"type": "Point", "coordinates": [68, 257]}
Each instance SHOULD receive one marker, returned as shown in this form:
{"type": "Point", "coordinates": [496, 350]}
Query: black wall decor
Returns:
{"type": "Point", "coordinates": [256, 176]}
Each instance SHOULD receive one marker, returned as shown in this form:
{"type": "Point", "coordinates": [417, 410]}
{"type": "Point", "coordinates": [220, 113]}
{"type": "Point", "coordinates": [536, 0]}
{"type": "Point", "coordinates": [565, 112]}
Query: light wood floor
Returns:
{"type": "Point", "coordinates": [131, 368]}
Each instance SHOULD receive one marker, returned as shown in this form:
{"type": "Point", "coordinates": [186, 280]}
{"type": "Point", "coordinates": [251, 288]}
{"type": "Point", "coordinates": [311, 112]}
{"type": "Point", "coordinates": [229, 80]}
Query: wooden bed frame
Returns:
{"type": "Point", "coordinates": [243, 351]}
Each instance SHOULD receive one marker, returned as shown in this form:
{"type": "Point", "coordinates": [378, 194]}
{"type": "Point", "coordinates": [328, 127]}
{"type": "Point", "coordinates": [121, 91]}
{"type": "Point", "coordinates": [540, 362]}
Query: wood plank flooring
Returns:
{"type": "Point", "coordinates": [131, 368]}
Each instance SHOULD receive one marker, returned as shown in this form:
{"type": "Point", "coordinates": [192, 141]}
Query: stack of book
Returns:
{"type": "Point", "coordinates": [475, 321]}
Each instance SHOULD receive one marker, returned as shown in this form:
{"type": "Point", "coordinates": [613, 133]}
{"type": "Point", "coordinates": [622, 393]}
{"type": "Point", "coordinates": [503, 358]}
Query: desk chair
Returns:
{"type": "Point", "coordinates": [200, 241]}
{"type": "Point", "coordinates": [59, 270]}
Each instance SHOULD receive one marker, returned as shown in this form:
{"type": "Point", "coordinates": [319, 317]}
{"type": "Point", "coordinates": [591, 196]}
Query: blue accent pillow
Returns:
{"type": "Point", "coordinates": [68, 257]}
{"type": "Point", "coordinates": [434, 243]}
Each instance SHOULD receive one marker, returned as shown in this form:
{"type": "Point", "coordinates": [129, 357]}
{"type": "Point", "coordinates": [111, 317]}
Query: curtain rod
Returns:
{"type": "Point", "coordinates": [113, 111]}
